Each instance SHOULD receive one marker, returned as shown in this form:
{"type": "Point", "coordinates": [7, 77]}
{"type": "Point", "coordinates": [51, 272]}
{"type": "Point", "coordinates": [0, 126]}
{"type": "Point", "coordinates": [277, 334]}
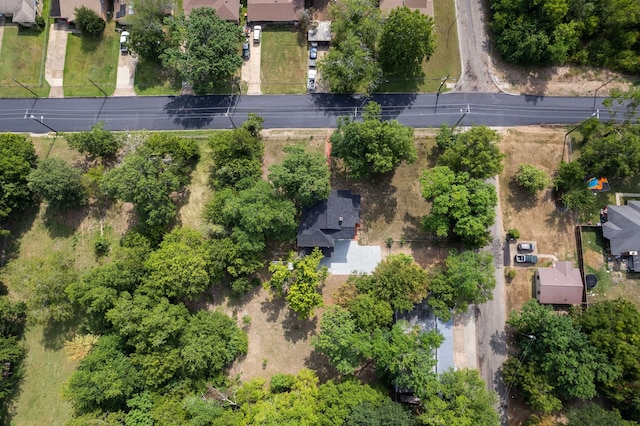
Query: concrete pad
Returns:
{"type": "Point", "coordinates": [126, 75]}
{"type": "Point", "coordinates": [250, 72]}
{"type": "Point", "coordinates": [56, 53]}
{"type": "Point", "coordinates": [349, 256]}
{"type": "Point", "coordinates": [465, 340]}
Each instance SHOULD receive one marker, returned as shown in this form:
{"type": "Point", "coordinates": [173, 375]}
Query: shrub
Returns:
{"type": "Point", "coordinates": [513, 234]}
{"type": "Point", "coordinates": [531, 178]}
{"type": "Point", "coordinates": [89, 22]}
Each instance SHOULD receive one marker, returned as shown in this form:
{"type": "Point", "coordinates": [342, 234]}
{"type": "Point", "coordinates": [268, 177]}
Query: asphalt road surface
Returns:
{"type": "Point", "coordinates": [289, 111]}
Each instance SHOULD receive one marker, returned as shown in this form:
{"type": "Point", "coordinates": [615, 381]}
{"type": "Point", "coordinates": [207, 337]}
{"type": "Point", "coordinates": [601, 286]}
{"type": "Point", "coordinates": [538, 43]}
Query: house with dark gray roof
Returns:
{"type": "Point", "coordinates": [622, 229]}
{"type": "Point", "coordinates": [336, 218]}
{"type": "Point", "coordinates": [21, 12]}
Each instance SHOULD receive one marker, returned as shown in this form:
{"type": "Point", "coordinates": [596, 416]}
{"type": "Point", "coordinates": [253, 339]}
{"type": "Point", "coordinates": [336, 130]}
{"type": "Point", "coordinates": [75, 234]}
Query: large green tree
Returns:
{"type": "Point", "coordinates": [462, 206]}
{"type": "Point", "coordinates": [302, 176]}
{"type": "Point", "coordinates": [373, 145]}
{"type": "Point", "coordinates": [356, 17]}
{"type": "Point", "coordinates": [531, 178]}
{"type": "Point", "coordinates": [203, 48]}
{"type": "Point", "coordinates": [408, 38]}
{"type": "Point", "coordinates": [58, 183]}
{"type": "Point", "coordinates": [467, 278]}
{"type": "Point", "coordinates": [88, 21]}
{"type": "Point", "coordinates": [17, 160]}
{"type": "Point", "coordinates": [97, 142]}
{"type": "Point", "coordinates": [474, 152]}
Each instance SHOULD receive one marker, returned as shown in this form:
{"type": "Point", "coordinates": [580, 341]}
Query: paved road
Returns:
{"type": "Point", "coordinates": [287, 111]}
{"type": "Point", "coordinates": [474, 48]}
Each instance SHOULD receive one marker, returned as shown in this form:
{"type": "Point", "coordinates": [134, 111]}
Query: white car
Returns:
{"type": "Point", "coordinates": [124, 37]}
{"type": "Point", "coordinates": [257, 30]}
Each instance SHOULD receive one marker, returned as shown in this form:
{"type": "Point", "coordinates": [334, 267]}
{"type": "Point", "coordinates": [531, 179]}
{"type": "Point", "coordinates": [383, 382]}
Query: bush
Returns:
{"type": "Point", "coordinates": [531, 178]}
{"type": "Point", "coordinates": [282, 382]}
{"type": "Point", "coordinates": [58, 183]}
{"type": "Point", "coordinates": [513, 234]}
{"type": "Point", "coordinates": [101, 246]}
{"type": "Point", "coordinates": [89, 22]}
{"type": "Point", "coordinates": [510, 274]}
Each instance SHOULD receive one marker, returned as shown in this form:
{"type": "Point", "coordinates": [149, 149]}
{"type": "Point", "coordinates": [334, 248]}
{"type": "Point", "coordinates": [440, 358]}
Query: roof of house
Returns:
{"type": "Point", "coordinates": [560, 285]}
{"type": "Point", "coordinates": [65, 9]}
{"type": "Point", "coordinates": [320, 32]}
{"type": "Point", "coordinates": [229, 10]}
{"type": "Point", "coordinates": [622, 228]}
{"type": "Point", "coordinates": [22, 11]}
{"type": "Point", "coordinates": [274, 10]}
{"type": "Point", "coordinates": [424, 6]}
{"type": "Point", "coordinates": [332, 219]}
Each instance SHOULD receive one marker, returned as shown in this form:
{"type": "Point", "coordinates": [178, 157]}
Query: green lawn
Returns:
{"type": "Point", "coordinates": [283, 68]}
{"type": "Point", "coordinates": [445, 60]}
{"type": "Point", "coordinates": [94, 58]}
{"type": "Point", "coordinates": [151, 79]}
{"type": "Point", "coordinates": [21, 57]}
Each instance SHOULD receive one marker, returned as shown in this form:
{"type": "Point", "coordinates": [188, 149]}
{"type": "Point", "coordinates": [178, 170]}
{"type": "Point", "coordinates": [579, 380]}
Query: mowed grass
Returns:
{"type": "Point", "coordinates": [152, 79]}
{"type": "Point", "coordinates": [94, 58]}
{"type": "Point", "coordinates": [444, 61]}
{"type": "Point", "coordinates": [46, 370]}
{"type": "Point", "coordinates": [284, 61]}
{"type": "Point", "coordinates": [21, 57]}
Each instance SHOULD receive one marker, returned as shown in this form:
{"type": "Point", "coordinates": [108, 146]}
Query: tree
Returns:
{"type": "Point", "coordinates": [17, 160]}
{"type": "Point", "coordinates": [531, 178]}
{"type": "Point", "coordinates": [88, 21]}
{"type": "Point", "coordinates": [372, 146]}
{"type": "Point", "coordinates": [467, 278]}
{"type": "Point", "coordinates": [461, 206]}
{"type": "Point", "coordinates": [350, 67]}
{"type": "Point", "coordinates": [57, 183]}
{"type": "Point", "coordinates": [398, 280]}
{"type": "Point", "coordinates": [408, 38]}
{"type": "Point", "coordinates": [474, 152]}
{"type": "Point", "coordinates": [615, 153]}
{"type": "Point", "coordinates": [559, 361]}
{"type": "Point", "coordinates": [593, 414]}
{"type": "Point", "coordinates": [387, 413]}
{"type": "Point", "coordinates": [569, 182]}
{"type": "Point", "coordinates": [13, 317]}
{"type": "Point", "coordinates": [460, 398]}
{"type": "Point", "coordinates": [203, 48]}
{"type": "Point", "coordinates": [339, 340]}
{"type": "Point", "coordinates": [356, 17]}
{"type": "Point", "coordinates": [97, 142]}
{"type": "Point", "coordinates": [147, 39]}
{"type": "Point", "coordinates": [104, 380]}
{"type": "Point", "coordinates": [178, 270]}
{"type": "Point", "coordinates": [210, 342]}
{"type": "Point", "coordinates": [298, 279]}
{"type": "Point", "coordinates": [302, 176]}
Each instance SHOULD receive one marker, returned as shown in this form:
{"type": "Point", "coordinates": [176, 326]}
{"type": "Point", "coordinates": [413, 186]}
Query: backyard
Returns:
{"type": "Point", "coordinates": [283, 68]}
{"type": "Point", "coordinates": [92, 59]}
{"type": "Point", "coordinates": [22, 57]}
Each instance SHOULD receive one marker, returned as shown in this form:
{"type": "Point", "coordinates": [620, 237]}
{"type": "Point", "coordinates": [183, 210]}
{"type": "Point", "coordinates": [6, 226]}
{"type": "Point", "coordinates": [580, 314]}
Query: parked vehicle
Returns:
{"type": "Point", "coordinates": [311, 80]}
{"type": "Point", "coordinates": [245, 50]}
{"type": "Point", "coordinates": [313, 53]}
{"type": "Point", "coordinates": [257, 32]}
{"type": "Point", "coordinates": [526, 258]}
{"type": "Point", "coordinates": [124, 37]}
{"type": "Point", "coordinates": [526, 247]}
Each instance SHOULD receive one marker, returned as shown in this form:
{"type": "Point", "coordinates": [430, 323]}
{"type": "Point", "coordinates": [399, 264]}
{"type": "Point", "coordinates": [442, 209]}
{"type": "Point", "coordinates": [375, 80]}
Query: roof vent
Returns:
{"type": "Point", "coordinates": [340, 220]}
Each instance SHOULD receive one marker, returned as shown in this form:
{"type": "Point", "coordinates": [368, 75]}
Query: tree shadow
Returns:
{"type": "Point", "coordinates": [296, 329]}
{"type": "Point", "coordinates": [560, 220]}
{"type": "Point", "coordinates": [55, 334]}
{"type": "Point", "coordinates": [319, 363]}
{"type": "Point", "coordinates": [412, 227]}
{"type": "Point", "coordinates": [272, 308]}
{"type": "Point", "coordinates": [18, 225]}
{"type": "Point", "coordinates": [519, 198]}
{"type": "Point", "coordinates": [499, 343]}
{"type": "Point", "coordinates": [62, 223]}
{"type": "Point", "coordinates": [196, 112]}
{"type": "Point", "coordinates": [337, 105]}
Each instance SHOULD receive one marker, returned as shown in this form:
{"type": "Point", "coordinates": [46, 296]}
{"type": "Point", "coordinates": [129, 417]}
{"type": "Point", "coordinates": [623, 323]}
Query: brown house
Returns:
{"type": "Point", "coordinates": [229, 10]}
{"type": "Point", "coordinates": [66, 9]}
{"type": "Point", "coordinates": [279, 11]}
{"type": "Point", "coordinates": [559, 285]}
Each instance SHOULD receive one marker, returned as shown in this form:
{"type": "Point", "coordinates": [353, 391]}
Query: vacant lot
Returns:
{"type": "Point", "coordinates": [22, 57]}
{"type": "Point", "coordinates": [92, 58]}
{"type": "Point", "coordinates": [283, 68]}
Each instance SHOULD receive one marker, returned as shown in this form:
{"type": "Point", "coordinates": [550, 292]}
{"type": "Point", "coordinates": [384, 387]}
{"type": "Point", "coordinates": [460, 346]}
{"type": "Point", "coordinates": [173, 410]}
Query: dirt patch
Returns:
{"type": "Point", "coordinates": [519, 288]}
{"type": "Point", "coordinates": [558, 80]}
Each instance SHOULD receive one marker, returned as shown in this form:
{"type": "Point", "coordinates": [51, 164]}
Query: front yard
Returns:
{"type": "Point", "coordinates": [152, 79]}
{"type": "Point", "coordinates": [22, 57]}
{"type": "Point", "coordinates": [284, 64]}
{"type": "Point", "coordinates": [92, 58]}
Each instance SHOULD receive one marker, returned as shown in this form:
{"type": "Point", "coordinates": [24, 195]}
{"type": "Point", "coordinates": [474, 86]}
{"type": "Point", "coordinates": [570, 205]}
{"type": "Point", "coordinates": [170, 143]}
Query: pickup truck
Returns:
{"type": "Point", "coordinates": [526, 258]}
{"type": "Point", "coordinates": [311, 80]}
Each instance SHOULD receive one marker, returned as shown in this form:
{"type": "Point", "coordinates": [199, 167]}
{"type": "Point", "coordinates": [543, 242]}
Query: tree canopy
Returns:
{"type": "Point", "coordinates": [531, 178]}
{"type": "Point", "coordinates": [202, 48]}
{"type": "Point", "coordinates": [88, 21]}
{"type": "Point", "coordinates": [461, 205]}
{"type": "Point", "coordinates": [57, 183]}
{"type": "Point", "coordinates": [474, 152]}
{"type": "Point", "coordinates": [17, 160]}
{"type": "Point", "coordinates": [373, 145]}
{"type": "Point", "coordinates": [97, 143]}
{"type": "Point", "coordinates": [302, 176]}
{"type": "Point", "coordinates": [408, 38]}
{"type": "Point", "coordinates": [13, 318]}
{"type": "Point", "coordinates": [467, 278]}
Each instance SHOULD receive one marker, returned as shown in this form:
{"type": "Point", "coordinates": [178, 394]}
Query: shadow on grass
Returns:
{"type": "Point", "coordinates": [296, 329]}
{"type": "Point", "coordinates": [273, 308]}
{"type": "Point", "coordinates": [519, 198]}
{"type": "Point", "coordinates": [19, 225]}
{"type": "Point", "coordinates": [319, 363]}
{"type": "Point", "coordinates": [412, 227]}
{"type": "Point", "coordinates": [55, 334]}
{"type": "Point", "coordinates": [152, 78]}
{"type": "Point", "coordinates": [88, 43]}
{"type": "Point", "coordinates": [560, 220]}
{"type": "Point", "coordinates": [401, 84]}
{"type": "Point", "coordinates": [63, 223]}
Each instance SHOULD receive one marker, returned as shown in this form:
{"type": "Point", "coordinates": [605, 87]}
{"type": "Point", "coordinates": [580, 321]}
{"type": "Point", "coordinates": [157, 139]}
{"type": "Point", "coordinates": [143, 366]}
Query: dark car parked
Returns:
{"type": "Point", "coordinates": [245, 51]}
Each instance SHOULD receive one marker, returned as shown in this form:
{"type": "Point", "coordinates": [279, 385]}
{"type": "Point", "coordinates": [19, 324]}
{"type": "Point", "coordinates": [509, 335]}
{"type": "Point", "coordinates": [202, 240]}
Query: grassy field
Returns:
{"type": "Point", "coordinates": [21, 57]}
{"type": "Point", "coordinates": [151, 79]}
{"type": "Point", "coordinates": [445, 60]}
{"type": "Point", "coordinates": [283, 68]}
{"type": "Point", "coordinates": [94, 58]}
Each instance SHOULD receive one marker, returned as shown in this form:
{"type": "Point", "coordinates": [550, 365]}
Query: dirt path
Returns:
{"type": "Point", "coordinates": [56, 53]}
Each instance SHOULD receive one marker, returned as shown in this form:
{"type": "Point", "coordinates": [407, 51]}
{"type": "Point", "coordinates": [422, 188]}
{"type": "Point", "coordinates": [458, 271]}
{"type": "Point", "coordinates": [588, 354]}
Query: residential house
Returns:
{"type": "Point", "coordinates": [424, 6]}
{"type": "Point", "coordinates": [66, 9]}
{"type": "Point", "coordinates": [559, 285]}
{"type": "Point", "coordinates": [276, 11]}
{"type": "Point", "coordinates": [21, 12]}
{"type": "Point", "coordinates": [336, 218]}
{"type": "Point", "coordinates": [229, 10]}
{"type": "Point", "coordinates": [622, 229]}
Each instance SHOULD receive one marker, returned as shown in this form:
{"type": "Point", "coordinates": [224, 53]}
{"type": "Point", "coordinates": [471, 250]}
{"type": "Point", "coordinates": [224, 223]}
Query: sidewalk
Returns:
{"type": "Point", "coordinates": [56, 52]}
{"type": "Point", "coordinates": [126, 75]}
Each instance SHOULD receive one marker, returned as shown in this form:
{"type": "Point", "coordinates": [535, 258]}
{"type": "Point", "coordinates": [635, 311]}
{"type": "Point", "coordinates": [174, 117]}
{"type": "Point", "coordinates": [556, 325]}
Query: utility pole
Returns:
{"type": "Point", "coordinates": [435, 109]}
{"type": "Point", "coordinates": [595, 92]}
{"type": "Point", "coordinates": [596, 114]}
{"type": "Point", "coordinates": [41, 121]}
{"type": "Point", "coordinates": [464, 113]}
{"type": "Point", "coordinates": [25, 87]}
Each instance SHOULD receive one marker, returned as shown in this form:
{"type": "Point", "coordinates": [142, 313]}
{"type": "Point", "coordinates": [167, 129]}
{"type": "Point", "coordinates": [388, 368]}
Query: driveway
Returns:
{"type": "Point", "coordinates": [56, 53]}
{"type": "Point", "coordinates": [126, 75]}
{"type": "Point", "coordinates": [251, 69]}
{"type": "Point", "coordinates": [349, 256]}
